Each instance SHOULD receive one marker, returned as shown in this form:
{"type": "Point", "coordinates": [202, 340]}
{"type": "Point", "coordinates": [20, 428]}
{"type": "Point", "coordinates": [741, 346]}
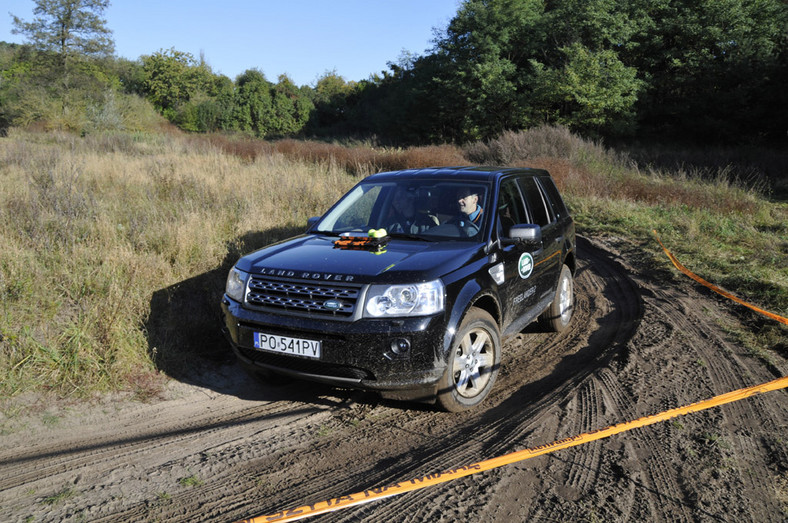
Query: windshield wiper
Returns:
{"type": "Point", "coordinates": [408, 236]}
{"type": "Point", "coordinates": [325, 233]}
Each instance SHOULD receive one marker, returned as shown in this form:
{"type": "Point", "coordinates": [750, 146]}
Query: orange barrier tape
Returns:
{"type": "Point", "coordinates": [716, 289]}
{"type": "Point", "coordinates": [374, 494]}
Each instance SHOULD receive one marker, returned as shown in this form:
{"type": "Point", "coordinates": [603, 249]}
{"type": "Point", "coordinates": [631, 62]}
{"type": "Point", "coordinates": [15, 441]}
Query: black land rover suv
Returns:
{"type": "Point", "coordinates": [408, 284]}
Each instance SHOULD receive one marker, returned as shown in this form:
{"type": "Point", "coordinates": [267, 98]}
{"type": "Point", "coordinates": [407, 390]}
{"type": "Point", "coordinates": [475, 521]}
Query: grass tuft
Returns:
{"type": "Point", "coordinates": [65, 494]}
{"type": "Point", "coordinates": [190, 481]}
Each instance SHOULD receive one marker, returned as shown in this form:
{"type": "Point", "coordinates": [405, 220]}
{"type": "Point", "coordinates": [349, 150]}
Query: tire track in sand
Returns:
{"type": "Point", "coordinates": [528, 413]}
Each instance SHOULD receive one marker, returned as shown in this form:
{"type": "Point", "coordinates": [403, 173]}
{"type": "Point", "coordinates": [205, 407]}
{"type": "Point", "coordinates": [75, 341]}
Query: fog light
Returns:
{"type": "Point", "coordinates": [400, 346]}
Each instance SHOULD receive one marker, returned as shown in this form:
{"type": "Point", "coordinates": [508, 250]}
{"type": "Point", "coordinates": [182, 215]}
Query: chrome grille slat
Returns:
{"type": "Point", "coordinates": [305, 297]}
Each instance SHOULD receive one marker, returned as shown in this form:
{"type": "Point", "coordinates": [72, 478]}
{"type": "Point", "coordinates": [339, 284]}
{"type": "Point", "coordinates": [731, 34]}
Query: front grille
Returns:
{"type": "Point", "coordinates": [306, 297]}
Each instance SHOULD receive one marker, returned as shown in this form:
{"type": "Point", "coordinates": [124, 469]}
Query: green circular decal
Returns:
{"type": "Point", "coordinates": [526, 265]}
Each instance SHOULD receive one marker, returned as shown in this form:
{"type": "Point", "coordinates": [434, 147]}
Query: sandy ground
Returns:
{"type": "Point", "coordinates": [223, 446]}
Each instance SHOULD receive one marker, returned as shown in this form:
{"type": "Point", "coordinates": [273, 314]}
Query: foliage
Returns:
{"type": "Point", "coordinates": [68, 28]}
{"type": "Point", "coordinates": [707, 71]}
{"type": "Point", "coordinates": [54, 78]}
{"type": "Point", "coordinates": [592, 92]}
{"type": "Point", "coordinates": [69, 38]}
{"type": "Point", "coordinates": [172, 78]}
{"type": "Point", "coordinates": [330, 96]}
{"type": "Point", "coordinates": [252, 108]}
{"type": "Point", "coordinates": [675, 69]}
{"type": "Point", "coordinates": [292, 108]}
{"type": "Point", "coordinates": [714, 68]}
{"type": "Point", "coordinates": [483, 63]}
{"type": "Point", "coordinates": [264, 110]}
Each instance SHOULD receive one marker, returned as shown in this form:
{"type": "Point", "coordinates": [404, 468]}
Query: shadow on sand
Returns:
{"type": "Point", "coordinates": [184, 331]}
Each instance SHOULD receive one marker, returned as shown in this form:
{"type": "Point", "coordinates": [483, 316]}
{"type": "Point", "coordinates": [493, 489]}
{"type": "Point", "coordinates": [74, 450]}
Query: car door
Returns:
{"type": "Point", "coordinates": [548, 267]}
{"type": "Point", "coordinates": [518, 291]}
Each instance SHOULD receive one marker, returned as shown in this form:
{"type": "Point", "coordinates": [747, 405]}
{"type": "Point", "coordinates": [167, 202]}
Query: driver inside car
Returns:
{"type": "Point", "coordinates": [469, 218]}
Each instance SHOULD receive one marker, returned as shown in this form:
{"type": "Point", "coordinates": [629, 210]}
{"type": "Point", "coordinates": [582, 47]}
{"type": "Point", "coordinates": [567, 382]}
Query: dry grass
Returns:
{"type": "Point", "coordinates": [358, 159]}
{"type": "Point", "coordinates": [89, 235]}
{"type": "Point", "coordinates": [114, 247]}
{"type": "Point", "coordinates": [587, 168]}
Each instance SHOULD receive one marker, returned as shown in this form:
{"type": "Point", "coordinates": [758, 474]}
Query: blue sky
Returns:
{"type": "Point", "coordinates": [300, 38]}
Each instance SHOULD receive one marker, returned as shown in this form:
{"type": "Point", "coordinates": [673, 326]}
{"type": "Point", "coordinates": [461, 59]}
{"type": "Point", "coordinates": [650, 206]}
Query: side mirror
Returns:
{"type": "Point", "coordinates": [526, 233]}
{"type": "Point", "coordinates": [310, 222]}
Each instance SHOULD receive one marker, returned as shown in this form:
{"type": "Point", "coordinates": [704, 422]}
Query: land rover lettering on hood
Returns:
{"type": "Point", "coordinates": [408, 284]}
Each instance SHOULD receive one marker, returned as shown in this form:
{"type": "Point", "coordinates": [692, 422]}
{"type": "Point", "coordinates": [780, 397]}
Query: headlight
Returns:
{"type": "Point", "coordinates": [419, 299]}
{"type": "Point", "coordinates": [236, 284]}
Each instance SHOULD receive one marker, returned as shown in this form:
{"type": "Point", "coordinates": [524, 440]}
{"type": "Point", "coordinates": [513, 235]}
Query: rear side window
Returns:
{"type": "Point", "coordinates": [554, 196]}
{"type": "Point", "coordinates": [539, 211]}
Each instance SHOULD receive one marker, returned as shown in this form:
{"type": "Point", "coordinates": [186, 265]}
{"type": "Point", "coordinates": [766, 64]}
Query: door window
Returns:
{"type": "Point", "coordinates": [511, 210]}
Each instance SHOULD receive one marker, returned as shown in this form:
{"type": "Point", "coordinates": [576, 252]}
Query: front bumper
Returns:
{"type": "Point", "coordinates": [355, 354]}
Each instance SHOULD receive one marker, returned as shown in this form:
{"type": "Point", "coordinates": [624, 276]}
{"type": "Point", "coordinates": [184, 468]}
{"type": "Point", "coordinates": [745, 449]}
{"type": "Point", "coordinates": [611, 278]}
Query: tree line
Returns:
{"type": "Point", "coordinates": [701, 70]}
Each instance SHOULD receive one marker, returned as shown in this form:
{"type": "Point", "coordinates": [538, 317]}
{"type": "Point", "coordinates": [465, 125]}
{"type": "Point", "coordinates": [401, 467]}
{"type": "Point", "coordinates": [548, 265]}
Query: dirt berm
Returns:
{"type": "Point", "coordinates": [223, 446]}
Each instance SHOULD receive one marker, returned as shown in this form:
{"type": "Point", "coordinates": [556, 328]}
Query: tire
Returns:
{"type": "Point", "coordinates": [473, 363]}
{"type": "Point", "coordinates": [559, 314]}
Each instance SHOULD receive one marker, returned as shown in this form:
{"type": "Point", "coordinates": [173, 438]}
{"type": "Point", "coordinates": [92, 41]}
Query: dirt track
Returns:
{"type": "Point", "coordinates": [225, 447]}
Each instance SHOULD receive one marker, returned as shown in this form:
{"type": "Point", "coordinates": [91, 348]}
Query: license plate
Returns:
{"type": "Point", "coordinates": [285, 345]}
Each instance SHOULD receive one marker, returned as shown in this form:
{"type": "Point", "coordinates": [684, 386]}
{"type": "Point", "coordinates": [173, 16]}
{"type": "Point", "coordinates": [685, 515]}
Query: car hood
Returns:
{"type": "Point", "coordinates": [315, 257]}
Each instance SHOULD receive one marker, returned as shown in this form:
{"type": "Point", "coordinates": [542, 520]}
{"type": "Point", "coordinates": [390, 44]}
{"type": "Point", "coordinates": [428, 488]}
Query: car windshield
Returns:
{"type": "Point", "coordinates": [420, 209]}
